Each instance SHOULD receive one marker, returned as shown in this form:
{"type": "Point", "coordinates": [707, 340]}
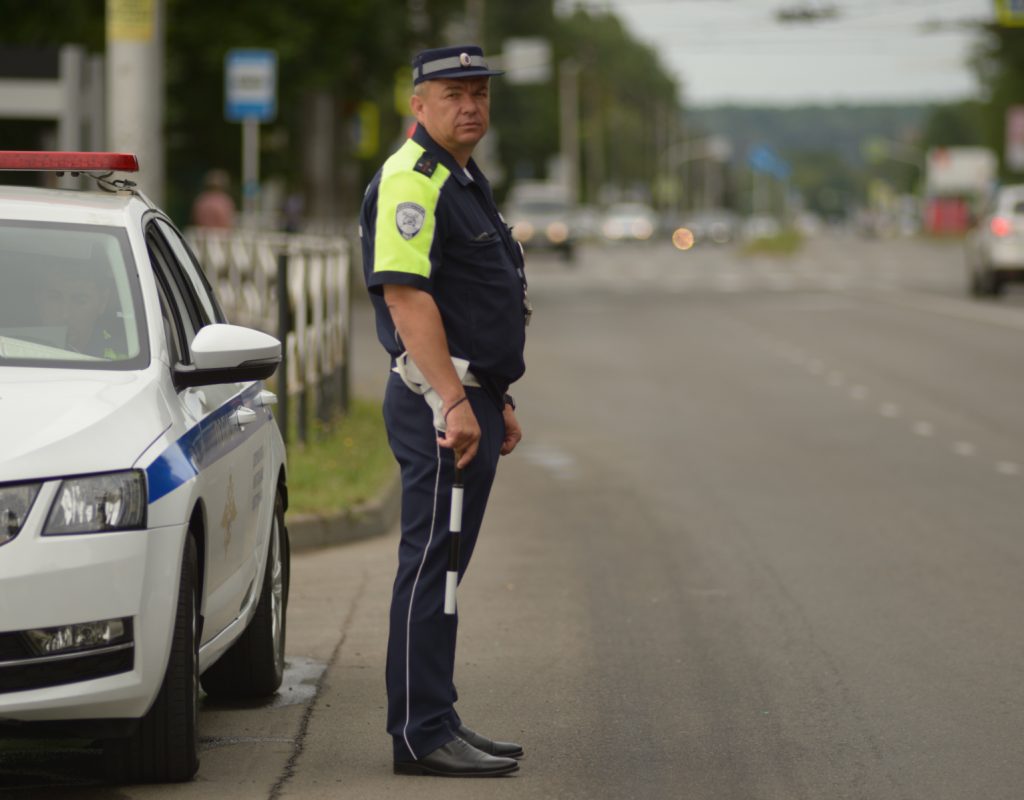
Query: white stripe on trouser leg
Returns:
{"type": "Point", "coordinates": [412, 595]}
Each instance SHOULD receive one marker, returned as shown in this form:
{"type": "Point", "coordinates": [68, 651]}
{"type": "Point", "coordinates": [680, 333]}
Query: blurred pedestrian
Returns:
{"type": "Point", "coordinates": [293, 212]}
{"type": "Point", "coordinates": [449, 292]}
{"type": "Point", "coordinates": [214, 206]}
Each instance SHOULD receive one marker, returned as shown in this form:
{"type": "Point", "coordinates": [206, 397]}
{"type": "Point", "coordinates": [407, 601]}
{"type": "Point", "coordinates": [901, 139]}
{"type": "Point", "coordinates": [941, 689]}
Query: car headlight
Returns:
{"type": "Point", "coordinates": [15, 503]}
{"type": "Point", "coordinates": [522, 231]}
{"type": "Point", "coordinates": [558, 232]}
{"type": "Point", "coordinates": [115, 501]}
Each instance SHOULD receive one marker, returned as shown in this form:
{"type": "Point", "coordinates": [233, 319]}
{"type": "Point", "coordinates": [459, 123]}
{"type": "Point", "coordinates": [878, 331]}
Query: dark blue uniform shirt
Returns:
{"type": "Point", "coordinates": [426, 223]}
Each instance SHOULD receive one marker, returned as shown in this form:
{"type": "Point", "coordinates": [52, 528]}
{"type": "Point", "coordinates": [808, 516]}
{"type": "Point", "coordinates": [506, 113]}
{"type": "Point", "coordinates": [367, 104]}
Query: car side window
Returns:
{"type": "Point", "coordinates": [184, 294]}
{"type": "Point", "coordinates": [184, 315]}
{"type": "Point", "coordinates": [173, 332]}
{"type": "Point", "coordinates": [191, 269]}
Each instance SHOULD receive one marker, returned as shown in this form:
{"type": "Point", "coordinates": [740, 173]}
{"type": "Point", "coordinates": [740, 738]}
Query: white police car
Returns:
{"type": "Point", "coordinates": [142, 479]}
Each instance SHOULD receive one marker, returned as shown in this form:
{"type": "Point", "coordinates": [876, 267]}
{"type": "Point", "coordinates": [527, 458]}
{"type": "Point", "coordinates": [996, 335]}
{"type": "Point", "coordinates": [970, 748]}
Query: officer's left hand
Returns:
{"type": "Point", "coordinates": [513, 433]}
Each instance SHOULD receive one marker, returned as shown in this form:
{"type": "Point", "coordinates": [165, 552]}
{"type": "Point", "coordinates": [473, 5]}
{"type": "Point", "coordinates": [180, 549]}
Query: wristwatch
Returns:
{"type": "Point", "coordinates": [510, 401]}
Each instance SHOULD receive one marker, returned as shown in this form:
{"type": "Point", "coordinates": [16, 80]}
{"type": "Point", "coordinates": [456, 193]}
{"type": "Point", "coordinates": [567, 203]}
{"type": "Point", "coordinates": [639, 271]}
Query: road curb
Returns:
{"type": "Point", "coordinates": [375, 517]}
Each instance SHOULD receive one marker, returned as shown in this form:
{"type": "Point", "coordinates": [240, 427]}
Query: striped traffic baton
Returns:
{"type": "Point", "coordinates": [455, 528]}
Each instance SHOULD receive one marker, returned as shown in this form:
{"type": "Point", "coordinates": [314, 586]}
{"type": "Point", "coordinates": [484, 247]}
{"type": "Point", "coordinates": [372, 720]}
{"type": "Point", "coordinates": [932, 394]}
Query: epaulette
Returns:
{"type": "Point", "coordinates": [426, 165]}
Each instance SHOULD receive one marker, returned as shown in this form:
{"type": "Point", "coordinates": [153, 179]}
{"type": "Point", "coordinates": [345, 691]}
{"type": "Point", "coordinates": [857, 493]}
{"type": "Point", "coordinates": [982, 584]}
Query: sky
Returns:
{"type": "Point", "coordinates": [735, 51]}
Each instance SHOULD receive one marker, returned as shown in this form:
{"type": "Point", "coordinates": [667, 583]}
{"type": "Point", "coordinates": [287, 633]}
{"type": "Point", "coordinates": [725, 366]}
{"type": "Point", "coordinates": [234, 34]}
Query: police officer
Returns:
{"type": "Point", "coordinates": [446, 280]}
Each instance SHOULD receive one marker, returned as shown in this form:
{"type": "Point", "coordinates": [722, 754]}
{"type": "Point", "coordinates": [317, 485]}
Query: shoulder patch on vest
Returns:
{"type": "Point", "coordinates": [409, 219]}
{"type": "Point", "coordinates": [426, 165]}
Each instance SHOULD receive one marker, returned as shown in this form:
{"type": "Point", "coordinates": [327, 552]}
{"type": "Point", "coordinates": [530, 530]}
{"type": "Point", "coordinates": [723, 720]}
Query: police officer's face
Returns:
{"type": "Point", "coordinates": [456, 113]}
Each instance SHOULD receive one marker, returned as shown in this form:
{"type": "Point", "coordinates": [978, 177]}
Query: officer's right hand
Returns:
{"type": "Point", "coordinates": [463, 434]}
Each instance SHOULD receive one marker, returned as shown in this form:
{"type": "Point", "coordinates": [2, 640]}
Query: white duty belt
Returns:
{"type": "Point", "coordinates": [413, 378]}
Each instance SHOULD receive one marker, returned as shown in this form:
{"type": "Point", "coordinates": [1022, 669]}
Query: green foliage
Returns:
{"type": "Point", "coordinates": [999, 63]}
{"type": "Point", "coordinates": [626, 97]}
{"type": "Point", "coordinates": [54, 22]}
{"type": "Point", "coordinates": [351, 50]}
{"type": "Point", "coordinates": [953, 125]}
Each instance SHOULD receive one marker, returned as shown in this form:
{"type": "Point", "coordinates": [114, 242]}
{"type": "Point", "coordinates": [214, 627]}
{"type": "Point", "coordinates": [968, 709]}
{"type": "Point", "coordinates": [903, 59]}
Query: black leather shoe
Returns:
{"type": "Point", "coordinates": [482, 743]}
{"type": "Point", "coordinates": [457, 759]}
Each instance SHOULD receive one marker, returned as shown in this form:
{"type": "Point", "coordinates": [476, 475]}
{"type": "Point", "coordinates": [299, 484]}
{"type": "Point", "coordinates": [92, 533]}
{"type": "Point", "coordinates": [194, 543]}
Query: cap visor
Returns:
{"type": "Point", "coordinates": [462, 72]}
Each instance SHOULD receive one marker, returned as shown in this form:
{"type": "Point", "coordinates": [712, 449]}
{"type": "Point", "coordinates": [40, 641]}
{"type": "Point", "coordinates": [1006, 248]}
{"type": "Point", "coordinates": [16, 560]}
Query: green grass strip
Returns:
{"type": "Point", "coordinates": [782, 244]}
{"type": "Point", "coordinates": [343, 465]}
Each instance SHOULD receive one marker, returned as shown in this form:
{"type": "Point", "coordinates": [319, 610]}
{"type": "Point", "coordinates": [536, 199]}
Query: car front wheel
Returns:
{"type": "Point", "coordinates": [165, 746]}
{"type": "Point", "coordinates": [254, 665]}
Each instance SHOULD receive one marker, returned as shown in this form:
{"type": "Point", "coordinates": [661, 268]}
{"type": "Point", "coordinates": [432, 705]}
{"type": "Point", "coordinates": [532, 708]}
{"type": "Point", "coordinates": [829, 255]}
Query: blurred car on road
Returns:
{"type": "Point", "coordinates": [712, 226]}
{"type": "Point", "coordinates": [760, 226]}
{"type": "Point", "coordinates": [541, 217]}
{"type": "Point", "coordinates": [629, 222]}
{"type": "Point", "coordinates": [143, 549]}
{"type": "Point", "coordinates": [994, 247]}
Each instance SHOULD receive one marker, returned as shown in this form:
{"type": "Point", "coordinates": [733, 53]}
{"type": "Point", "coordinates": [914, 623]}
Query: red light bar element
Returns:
{"type": "Point", "coordinates": [56, 161]}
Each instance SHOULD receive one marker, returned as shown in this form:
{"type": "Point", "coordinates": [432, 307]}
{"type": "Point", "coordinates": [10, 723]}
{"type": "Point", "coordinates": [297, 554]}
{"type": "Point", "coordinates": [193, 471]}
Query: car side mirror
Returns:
{"type": "Point", "coordinates": [228, 354]}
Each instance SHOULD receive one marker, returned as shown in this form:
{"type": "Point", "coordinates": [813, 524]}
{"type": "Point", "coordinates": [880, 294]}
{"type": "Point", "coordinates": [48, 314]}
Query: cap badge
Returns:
{"type": "Point", "coordinates": [465, 60]}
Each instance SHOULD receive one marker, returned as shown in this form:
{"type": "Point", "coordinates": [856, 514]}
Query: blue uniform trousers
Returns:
{"type": "Point", "coordinates": [421, 641]}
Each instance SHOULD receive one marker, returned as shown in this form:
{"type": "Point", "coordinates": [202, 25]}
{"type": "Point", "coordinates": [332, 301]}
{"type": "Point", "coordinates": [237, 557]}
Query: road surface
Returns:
{"type": "Point", "coordinates": [763, 539]}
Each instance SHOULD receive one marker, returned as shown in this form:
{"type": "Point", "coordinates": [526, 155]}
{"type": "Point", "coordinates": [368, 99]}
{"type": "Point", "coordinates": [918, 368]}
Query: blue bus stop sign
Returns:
{"type": "Point", "coordinates": [250, 85]}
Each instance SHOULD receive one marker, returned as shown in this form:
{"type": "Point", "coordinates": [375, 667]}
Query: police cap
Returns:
{"type": "Point", "coordinates": [459, 61]}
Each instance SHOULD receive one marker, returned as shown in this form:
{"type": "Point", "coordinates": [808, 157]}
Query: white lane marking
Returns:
{"type": "Point", "coordinates": [925, 429]}
{"type": "Point", "coordinates": [835, 378]}
{"type": "Point", "coordinates": [889, 410]}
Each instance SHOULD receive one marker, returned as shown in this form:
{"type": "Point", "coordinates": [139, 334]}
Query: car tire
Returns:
{"type": "Point", "coordinates": [990, 283]}
{"type": "Point", "coordinates": [974, 285]}
{"type": "Point", "coordinates": [165, 746]}
{"type": "Point", "coordinates": [254, 665]}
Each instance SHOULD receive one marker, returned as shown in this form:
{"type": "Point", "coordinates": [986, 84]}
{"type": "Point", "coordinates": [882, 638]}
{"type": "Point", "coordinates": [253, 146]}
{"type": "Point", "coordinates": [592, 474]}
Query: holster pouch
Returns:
{"type": "Point", "coordinates": [413, 378]}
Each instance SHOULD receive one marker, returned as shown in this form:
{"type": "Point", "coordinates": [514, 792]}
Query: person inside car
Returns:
{"type": "Point", "coordinates": [79, 303]}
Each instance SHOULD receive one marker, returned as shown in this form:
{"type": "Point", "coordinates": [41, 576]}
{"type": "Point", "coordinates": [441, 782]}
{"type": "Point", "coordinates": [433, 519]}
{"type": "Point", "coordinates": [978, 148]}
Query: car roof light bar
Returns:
{"type": "Point", "coordinates": [66, 161]}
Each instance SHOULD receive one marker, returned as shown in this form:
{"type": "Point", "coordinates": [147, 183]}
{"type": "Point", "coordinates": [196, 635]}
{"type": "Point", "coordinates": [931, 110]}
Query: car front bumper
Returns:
{"type": "Point", "coordinates": [51, 581]}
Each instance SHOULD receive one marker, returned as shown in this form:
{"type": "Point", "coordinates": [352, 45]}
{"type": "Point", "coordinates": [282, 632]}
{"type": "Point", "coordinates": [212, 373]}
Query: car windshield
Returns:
{"type": "Point", "coordinates": [69, 297]}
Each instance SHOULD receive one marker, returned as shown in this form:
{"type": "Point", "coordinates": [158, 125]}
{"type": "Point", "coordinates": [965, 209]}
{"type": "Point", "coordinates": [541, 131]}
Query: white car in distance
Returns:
{"type": "Point", "coordinates": [143, 548]}
{"type": "Point", "coordinates": [994, 247]}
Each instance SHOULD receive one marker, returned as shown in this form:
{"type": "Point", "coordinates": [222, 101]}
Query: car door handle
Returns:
{"type": "Point", "coordinates": [244, 416]}
{"type": "Point", "coordinates": [266, 398]}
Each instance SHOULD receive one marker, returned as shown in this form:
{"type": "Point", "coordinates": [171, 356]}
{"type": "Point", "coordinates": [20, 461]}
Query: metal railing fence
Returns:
{"type": "Point", "coordinates": [295, 287]}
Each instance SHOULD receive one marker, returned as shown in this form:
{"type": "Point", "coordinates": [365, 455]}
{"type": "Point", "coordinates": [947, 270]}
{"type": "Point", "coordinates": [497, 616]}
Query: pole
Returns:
{"type": "Point", "coordinates": [135, 88]}
{"type": "Point", "coordinates": [284, 324]}
{"type": "Point", "coordinates": [569, 128]}
{"type": "Point", "coordinates": [250, 169]}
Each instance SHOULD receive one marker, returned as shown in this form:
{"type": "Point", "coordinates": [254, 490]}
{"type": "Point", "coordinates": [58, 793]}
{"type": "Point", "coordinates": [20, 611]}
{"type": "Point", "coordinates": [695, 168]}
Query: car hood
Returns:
{"type": "Point", "coordinates": [57, 422]}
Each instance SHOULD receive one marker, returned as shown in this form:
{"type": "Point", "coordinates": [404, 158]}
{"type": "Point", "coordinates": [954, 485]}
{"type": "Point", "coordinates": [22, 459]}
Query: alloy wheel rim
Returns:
{"type": "Point", "coordinates": [277, 593]}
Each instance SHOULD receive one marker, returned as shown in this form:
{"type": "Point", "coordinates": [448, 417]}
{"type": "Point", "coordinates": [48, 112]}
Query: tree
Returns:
{"type": "Point", "coordinates": [626, 99]}
{"type": "Point", "coordinates": [999, 64]}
